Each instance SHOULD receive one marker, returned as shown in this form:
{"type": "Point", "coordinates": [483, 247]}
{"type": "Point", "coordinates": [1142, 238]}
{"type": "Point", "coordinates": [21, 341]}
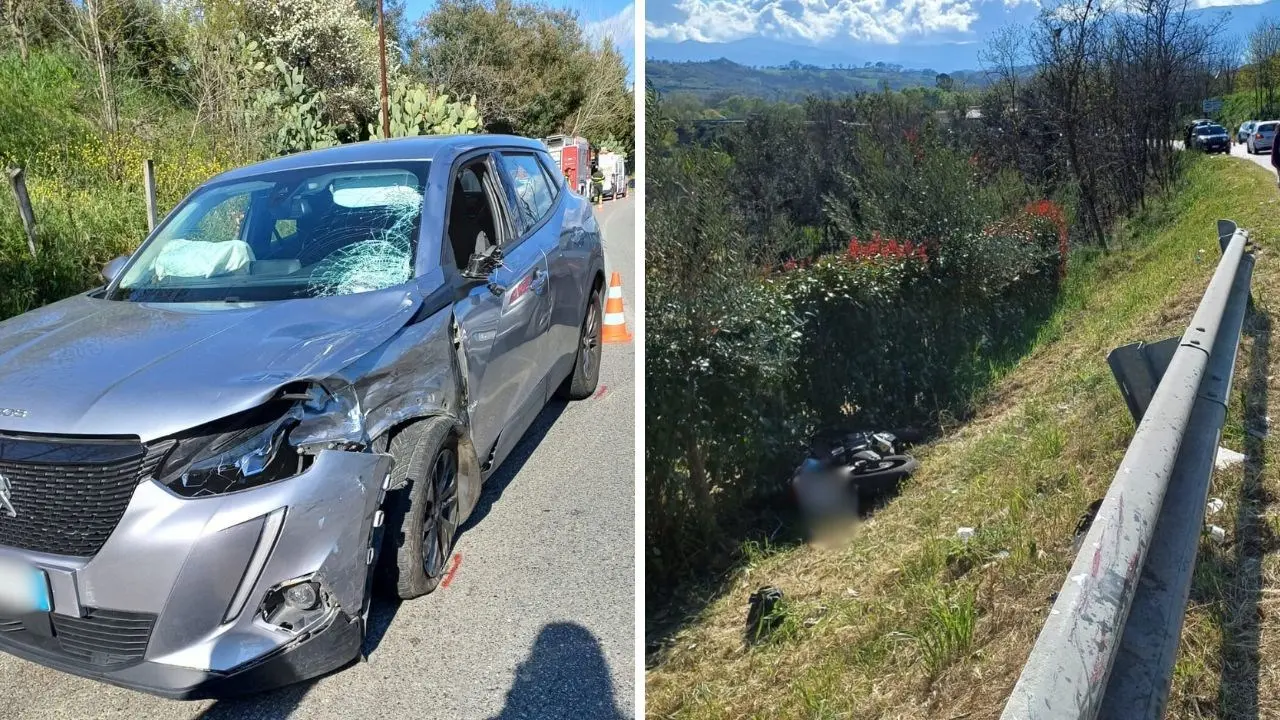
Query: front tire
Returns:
{"type": "Point", "coordinates": [584, 378]}
{"type": "Point", "coordinates": [422, 513]}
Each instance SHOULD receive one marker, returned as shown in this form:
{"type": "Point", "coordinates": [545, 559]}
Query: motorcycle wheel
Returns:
{"type": "Point", "coordinates": [883, 476]}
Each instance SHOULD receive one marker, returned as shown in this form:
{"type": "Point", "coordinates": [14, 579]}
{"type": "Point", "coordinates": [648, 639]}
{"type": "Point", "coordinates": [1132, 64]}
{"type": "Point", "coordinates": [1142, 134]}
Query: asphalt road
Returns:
{"type": "Point", "coordinates": [538, 622]}
{"type": "Point", "coordinates": [1264, 159]}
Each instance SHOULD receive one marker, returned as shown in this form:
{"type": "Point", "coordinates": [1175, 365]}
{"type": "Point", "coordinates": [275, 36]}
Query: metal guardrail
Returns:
{"type": "Point", "coordinates": [1109, 644]}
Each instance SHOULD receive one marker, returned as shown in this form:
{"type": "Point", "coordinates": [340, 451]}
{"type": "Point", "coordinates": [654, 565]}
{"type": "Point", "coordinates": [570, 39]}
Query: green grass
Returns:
{"type": "Point", "coordinates": [906, 621]}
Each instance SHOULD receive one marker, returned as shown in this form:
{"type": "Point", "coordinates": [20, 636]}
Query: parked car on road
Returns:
{"type": "Point", "coordinates": [1263, 134]}
{"type": "Point", "coordinates": [1245, 130]}
{"type": "Point", "coordinates": [1211, 138]}
{"type": "Point", "coordinates": [1189, 138]}
{"type": "Point", "coordinates": [289, 394]}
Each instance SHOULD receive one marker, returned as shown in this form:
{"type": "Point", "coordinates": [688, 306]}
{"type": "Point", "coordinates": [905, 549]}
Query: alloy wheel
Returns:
{"type": "Point", "coordinates": [590, 337]}
{"type": "Point", "coordinates": [442, 513]}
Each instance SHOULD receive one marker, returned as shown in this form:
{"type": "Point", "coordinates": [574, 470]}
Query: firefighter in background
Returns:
{"type": "Point", "coordinates": [597, 180]}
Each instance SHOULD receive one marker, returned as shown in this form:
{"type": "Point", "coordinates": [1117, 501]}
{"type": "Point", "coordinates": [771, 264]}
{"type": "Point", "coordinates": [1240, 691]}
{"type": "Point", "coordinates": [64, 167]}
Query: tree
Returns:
{"type": "Point", "coordinates": [531, 68]}
{"type": "Point", "coordinates": [330, 43]}
{"type": "Point", "coordinates": [607, 109]}
{"type": "Point", "coordinates": [397, 25]}
{"type": "Point", "coordinates": [17, 15]}
{"type": "Point", "coordinates": [100, 42]}
{"type": "Point", "coordinates": [1067, 49]}
{"type": "Point", "coordinates": [944, 82]}
{"type": "Point", "coordinates": [1262, 53]}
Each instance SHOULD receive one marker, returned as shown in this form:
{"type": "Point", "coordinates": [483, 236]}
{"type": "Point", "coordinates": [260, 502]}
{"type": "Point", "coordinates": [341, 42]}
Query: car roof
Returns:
{"type": "Point", "coordinates": [423, 147]}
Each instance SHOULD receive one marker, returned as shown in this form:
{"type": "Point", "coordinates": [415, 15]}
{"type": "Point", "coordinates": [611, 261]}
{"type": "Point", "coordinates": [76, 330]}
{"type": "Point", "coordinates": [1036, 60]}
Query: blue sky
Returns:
{"type": "Point", "coordinates": [940, 34]}
{"type": "Point", "coordinates": [600, 18]}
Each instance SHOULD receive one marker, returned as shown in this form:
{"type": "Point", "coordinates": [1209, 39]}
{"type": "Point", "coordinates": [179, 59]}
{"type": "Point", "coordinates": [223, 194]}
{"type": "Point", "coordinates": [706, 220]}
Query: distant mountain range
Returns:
{"type": "Point", "coordinates": [951, 55]}
{"type": "Point", "coordinates": [716, 79]}
{"type": "Point", "coordinates": [765, 51]}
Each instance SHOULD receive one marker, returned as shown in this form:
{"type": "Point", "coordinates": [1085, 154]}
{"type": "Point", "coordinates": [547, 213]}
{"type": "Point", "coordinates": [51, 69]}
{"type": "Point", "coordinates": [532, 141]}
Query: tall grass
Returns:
{"type": "Point", "coordinates": [85, 185]}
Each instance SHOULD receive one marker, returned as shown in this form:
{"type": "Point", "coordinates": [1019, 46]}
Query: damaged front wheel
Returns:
{"type": "Point", "coordinates": [421, 510]}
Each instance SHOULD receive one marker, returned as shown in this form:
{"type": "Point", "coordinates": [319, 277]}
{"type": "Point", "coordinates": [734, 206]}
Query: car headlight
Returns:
{"type": "Point", "coordinates": [274, 441]}
{"type": "Point", "coordinates": [236, 453]}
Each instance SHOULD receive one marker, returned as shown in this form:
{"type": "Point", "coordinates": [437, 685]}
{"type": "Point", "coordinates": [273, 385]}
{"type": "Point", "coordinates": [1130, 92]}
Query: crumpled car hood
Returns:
{"type": "Point", "coordinates": [84, 366]}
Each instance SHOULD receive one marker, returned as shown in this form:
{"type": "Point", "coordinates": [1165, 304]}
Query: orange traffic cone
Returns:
{"type": "Point", "coordinates": [615, 324]}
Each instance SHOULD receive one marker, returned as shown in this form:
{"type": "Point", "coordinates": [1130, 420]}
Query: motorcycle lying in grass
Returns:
{"type": "Point", "coordinates": [857, 466]}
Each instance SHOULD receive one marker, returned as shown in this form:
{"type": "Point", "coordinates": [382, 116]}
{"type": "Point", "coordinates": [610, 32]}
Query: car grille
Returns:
{"type": "Point", "coordinates": [103, 639]}
{"type": "Point", "coordinates": [68, 495]}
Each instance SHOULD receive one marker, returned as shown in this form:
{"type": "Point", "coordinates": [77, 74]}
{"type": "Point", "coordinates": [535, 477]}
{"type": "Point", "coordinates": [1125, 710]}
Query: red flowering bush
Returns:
{"type": "Point", "coordinates": [1050, 218]}
{"type": "Point", "coordinates": [878, 249]}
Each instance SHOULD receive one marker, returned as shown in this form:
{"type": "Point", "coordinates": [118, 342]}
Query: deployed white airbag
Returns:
{"type": "Point", "coordinates": [202, 259]}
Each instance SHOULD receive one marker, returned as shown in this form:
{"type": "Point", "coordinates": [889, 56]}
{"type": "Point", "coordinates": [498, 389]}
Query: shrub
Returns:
{"type": "Point", "coordinates": [746, 357]}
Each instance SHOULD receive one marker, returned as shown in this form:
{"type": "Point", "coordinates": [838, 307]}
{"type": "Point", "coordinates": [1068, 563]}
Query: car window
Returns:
{"type": "Point", "coordinates": [1269, 127]}
{"type": "Point", "coordinates": [534, 196]}
{"type": "Point", "coordinates": [554, 176]}
{"type": "Point", "coordinates": [474, 224]}
{"type": "Point", "coordinates": [300, 233]}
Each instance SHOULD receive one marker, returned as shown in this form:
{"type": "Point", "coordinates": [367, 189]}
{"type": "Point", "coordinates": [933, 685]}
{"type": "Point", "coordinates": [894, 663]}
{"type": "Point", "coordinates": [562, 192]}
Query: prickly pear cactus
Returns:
{"type": "Point", "coordinates": [295, 110]}
{"type": "Point", "coordinates": [416, 110]}
{"type": "Point", "coordinates": [612, 145]}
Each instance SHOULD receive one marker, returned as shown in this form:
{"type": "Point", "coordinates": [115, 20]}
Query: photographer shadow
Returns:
{"type": "Point", "coordinates": [564, 676]}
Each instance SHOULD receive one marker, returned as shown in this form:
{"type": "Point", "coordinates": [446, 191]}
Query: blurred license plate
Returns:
{"type": "Point", "coordinates": [23, 589]}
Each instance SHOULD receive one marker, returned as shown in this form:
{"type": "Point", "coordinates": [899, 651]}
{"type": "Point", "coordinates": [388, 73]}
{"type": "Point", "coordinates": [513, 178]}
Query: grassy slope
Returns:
{"type": "Point", "coordinates": [905, 622]}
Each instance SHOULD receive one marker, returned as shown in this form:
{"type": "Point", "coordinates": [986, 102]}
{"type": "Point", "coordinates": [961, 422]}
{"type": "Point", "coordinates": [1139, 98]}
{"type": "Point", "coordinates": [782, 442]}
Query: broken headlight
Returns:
{"type": "Point", "coordinates": [274, 441]}
{"type": "Point", "coordinates": [226, 460]}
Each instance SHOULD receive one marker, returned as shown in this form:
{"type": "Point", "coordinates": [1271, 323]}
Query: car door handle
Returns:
{"type": "Point", "coordinates": [539, 284]}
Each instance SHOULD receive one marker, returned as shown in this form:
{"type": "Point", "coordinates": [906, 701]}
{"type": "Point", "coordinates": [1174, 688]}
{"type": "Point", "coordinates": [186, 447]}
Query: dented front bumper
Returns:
{"type": "Point", "coordinates": [173, 602]}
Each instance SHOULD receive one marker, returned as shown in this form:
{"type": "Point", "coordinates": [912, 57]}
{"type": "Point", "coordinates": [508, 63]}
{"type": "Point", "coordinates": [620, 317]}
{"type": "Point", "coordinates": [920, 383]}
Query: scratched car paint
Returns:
{"type": "Point", "coordinates": [288, 397]}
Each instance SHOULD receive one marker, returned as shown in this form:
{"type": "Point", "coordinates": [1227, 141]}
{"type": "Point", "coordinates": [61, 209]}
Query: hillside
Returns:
{"type": "Point", "coordinates": [904, 621]}
{"type": "Point", "coordinates": [721, 78]}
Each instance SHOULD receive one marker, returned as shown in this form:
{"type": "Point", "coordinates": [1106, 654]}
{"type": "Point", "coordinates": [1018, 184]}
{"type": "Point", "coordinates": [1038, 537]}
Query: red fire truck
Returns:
{"type": "Point", "coordinates": [573, 155]}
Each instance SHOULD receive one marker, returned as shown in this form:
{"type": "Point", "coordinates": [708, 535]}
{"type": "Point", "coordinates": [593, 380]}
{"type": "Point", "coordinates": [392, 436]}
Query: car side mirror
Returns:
{"type": "Point", "coordinates": [482, 264]}
{"type": "Point", "coordinates": [113, 268]}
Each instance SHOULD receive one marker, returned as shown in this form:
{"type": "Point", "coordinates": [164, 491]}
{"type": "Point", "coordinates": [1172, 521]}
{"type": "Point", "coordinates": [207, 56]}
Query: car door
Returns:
{"type": "Point", "coordinates": [502, 324]}
{"type": "Point", "coordinates": [536, 210]}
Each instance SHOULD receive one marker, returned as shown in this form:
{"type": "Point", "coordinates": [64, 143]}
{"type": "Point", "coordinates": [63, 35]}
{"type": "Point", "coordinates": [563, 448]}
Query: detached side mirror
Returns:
{"type": "Point", "coordinates": [113, 268]}
{"type": "Point", "coordinates": [482, 264]}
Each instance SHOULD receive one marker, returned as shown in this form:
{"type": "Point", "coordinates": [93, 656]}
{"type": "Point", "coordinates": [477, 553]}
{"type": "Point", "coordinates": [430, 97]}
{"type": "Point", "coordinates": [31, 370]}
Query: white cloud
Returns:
{"type": "Point", "coordinates": [817, 21]}
{"type": "Point", "coordinates": [1224, 3]}
{"type": "Point", "coordinates": [621, 27]}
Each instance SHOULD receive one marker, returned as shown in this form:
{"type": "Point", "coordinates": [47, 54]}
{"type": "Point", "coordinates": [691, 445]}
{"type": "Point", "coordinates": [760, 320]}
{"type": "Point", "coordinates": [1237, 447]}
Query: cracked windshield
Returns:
{"type": "Point", "coordinates": [306, 233]}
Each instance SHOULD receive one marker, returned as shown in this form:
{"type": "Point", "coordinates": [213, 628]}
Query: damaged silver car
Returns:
{"type": "Point", "coordinates": [289, 395]}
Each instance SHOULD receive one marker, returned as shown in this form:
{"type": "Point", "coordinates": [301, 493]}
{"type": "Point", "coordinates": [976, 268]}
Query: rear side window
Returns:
{"type": "Point", "coordinates": [1268, 127]}
{"type": "Point", "coordinates": [554, 176]}
{"type": "Point", "coordinates": [534, 194]}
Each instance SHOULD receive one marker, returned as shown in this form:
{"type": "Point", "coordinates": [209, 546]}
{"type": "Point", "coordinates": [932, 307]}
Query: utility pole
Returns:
{"type": "Point", "coordinates": [382, 59]}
